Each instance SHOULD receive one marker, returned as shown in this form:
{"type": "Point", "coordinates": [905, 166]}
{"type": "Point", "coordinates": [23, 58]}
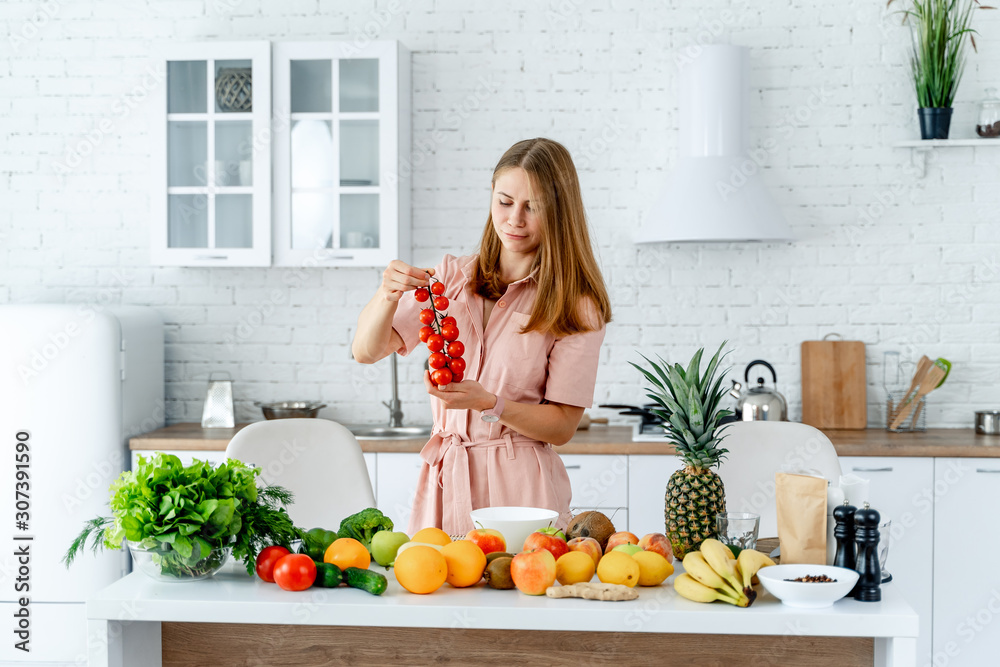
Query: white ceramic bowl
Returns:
{"type": "Point", "coordinates": [514, 523]}
{"type": "Point", "coordinates": [807, 595]}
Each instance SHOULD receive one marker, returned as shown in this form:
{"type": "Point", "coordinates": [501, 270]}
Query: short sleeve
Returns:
{"type": "Point", "coordinates": [572, 368]}
{"type": "Point", "coordinates": [406, 320]}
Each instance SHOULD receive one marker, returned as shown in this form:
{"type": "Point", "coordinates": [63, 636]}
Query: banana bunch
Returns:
{"type": "Point", "coordinates": [713, 574]}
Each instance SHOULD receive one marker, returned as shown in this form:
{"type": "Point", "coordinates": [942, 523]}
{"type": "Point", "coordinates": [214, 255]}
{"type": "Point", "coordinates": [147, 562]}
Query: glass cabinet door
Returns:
{"type": "Point", "coordinates": [215, 139]}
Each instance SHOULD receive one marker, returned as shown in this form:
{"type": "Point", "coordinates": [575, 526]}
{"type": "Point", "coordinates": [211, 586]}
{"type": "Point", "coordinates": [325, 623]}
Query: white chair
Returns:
{"type": "Point", "coordinates": [318, 460]}
{"type": "Point", "coordinates": [757, 450]}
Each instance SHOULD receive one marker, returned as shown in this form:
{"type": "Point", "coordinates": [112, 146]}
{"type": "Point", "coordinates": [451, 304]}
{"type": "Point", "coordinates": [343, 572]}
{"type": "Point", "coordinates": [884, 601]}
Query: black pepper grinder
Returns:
{"type": "Point", "coordinates": [844, 533]}
{"type": "Point", "coordinates": [866, 537]}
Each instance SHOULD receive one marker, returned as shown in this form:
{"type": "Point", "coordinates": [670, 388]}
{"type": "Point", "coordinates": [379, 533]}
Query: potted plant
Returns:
{"type": "Point", "coordinates": [689, 403]}
{"type": "Point", "coordinates": [182, 522]}
{"type": "Point", "coordinates": [938, 29]}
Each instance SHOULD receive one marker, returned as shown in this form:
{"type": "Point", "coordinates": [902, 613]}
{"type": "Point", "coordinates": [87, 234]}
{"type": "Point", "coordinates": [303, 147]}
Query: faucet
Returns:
{"type": "Point", "coordinates": [395, 407]}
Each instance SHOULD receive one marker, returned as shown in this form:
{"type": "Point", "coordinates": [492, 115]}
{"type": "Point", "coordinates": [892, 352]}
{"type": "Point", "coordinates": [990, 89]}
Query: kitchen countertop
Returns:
{"type": "Point", "coordinates": [600, 439]}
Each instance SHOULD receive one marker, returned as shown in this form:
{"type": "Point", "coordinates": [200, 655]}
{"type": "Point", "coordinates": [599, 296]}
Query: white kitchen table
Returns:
{"type": "Point", "coordinates": [125, 618]}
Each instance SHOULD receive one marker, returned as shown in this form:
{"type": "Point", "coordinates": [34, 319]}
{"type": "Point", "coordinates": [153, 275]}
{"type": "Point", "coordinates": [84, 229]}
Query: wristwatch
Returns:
{"type": "Point", "coordinates": [493, 414]}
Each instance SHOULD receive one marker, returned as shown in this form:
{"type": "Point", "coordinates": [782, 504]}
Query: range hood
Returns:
{"type": "Point", "coordinates": [715, 193]}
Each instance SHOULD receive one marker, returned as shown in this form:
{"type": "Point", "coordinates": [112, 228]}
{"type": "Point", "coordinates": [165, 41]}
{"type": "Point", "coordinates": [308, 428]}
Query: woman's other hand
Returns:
{"type": "Point", "coordinates": [400, 277]}
{"type": "Point", "coordinates": [464, 395]}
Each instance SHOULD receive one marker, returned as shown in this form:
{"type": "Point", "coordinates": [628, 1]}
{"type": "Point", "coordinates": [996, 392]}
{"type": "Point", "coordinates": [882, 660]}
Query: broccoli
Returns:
{"type": "Point", "coordinates": [363, 525]}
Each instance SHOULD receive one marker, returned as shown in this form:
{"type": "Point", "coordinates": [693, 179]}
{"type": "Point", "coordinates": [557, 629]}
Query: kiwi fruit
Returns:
{"type": "Point", "coordinates": [498, 573]}
{"type": "Point", "coordinates": [591, 524]}
{"type": "Point", "coordinates": [497, 554]}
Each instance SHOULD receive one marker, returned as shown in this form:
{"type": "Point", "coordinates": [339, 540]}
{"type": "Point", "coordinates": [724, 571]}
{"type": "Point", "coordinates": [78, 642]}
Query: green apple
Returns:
{"type": "Point", "coordinates": [624, 548]}
{"type": "Point", "coordinates": [385, 544]}
{"type": "Point", "coordinates": [553, 531]}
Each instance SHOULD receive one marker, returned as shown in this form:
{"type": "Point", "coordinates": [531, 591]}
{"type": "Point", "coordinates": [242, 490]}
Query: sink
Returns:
{"type": "Point", "coordinates": [367, 432]}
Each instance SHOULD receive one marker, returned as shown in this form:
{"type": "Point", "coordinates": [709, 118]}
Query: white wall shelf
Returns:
{"type": "Point", "coordinates": [920, 148]}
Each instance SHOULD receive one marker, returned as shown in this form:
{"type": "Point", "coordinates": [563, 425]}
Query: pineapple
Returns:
{"type": "Point", "coordinates": [689, 404]}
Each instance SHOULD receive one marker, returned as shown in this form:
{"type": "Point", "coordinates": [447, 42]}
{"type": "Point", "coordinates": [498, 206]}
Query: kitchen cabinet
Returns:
{"type": "Point", "coordinates": [966, 494]}
{"type": "Point", "coordinates": [647, 484]}
{"type": "Point", "coordinates": [341, 148]}
{"type": "Point", "coordinates": [900, 490]}
{"type": "Point", "coordinates": [211, 190]}
{"type": "Point", "coordinates": [597, 481]}
{"type": "Point", "coordinates": [396, 485]}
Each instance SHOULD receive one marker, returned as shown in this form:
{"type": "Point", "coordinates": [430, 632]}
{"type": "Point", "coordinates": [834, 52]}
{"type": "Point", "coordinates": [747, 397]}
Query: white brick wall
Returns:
{"type": "Point", "coordinates": [899, 262]}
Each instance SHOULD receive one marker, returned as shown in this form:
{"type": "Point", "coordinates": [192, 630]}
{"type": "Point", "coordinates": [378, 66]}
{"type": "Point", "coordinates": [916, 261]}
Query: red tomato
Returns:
{"type": "Point", "coordinates": [435, 342]}
{"type": "Point", "coordinates": [438, 360]}
{"type": "Point", "coordinates": [457, 377]}
{"type": "Point", "coordinates": [426, 316]}
{"type": "Point", "coordinates": [421, 294]}
{"type": "Point", "coordinates": [437, 288]}
{"type": "Point", "coordinates": [295, 572]}
{"type": "Point", "coordinates": [266, 560]}
{"type": "Point", "coordinates": [441, 377]}
{"type": "Point", "coordinates": [456, 365]}
{"type": "Point", "coordinates": [456, 349]}
{"type": "Point", "coordinates": [449, 332]}
{"type": "Point", "coordinates": [441, 302]}
{"type": "Point", "coordinates": [448, 320]}
{"type": "Point", "coordinates": [425, 333]}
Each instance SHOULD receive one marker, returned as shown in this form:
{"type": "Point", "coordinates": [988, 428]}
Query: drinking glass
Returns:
{"type": "Point", "coordinates": [738, 529]}
{"type": "Point", "coordinates": [884, 539]}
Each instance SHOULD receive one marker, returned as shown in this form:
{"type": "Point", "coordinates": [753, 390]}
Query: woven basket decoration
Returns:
{"type": "Point", "coordinates": [234, 90]}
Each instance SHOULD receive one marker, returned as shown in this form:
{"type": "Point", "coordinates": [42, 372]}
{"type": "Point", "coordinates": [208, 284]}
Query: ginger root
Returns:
{"type": "Point", "coordinates": [593, 591]}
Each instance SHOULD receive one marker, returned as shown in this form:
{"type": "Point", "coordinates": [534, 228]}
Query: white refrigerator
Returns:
{"type": "Point", "coordinates": [76, 381]}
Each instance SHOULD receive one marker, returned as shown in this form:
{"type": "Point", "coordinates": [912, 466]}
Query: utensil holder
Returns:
{"type": "Point", "coordinates": [917, 421]}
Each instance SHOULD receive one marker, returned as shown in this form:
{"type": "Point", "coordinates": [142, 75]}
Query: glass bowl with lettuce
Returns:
{"type": "Point", "coordinates": [182, 522]}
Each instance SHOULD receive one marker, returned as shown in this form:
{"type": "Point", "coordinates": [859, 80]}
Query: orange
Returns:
{"type": "Point", "coordinates": [574, 567]}
{"type": "Point", "coordinates": [431, 536]}
{"type": "Point", "coordinates": [421, 570]}
{"type": "Point", "coordinates": [347, 552]}
{"type": "Point", "coordinates": [466, 562]}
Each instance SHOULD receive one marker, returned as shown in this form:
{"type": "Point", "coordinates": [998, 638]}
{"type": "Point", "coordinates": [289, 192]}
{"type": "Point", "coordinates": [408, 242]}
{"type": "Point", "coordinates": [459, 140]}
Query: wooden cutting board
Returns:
{"type": "Point", "coordinates": [834, 387]}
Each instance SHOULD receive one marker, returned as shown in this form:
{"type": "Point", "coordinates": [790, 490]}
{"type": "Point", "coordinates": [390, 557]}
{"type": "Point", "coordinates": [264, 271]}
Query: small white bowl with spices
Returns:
{"type": "Point", "coordinates": [807, 593]}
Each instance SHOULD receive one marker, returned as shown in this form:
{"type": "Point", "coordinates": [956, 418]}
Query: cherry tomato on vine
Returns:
{"type": "Point", "coordinates": [437, 288]}
{"type": "Point", "coordinates": [425, 333]}
{"type": "Point", "coordinates": [295, 572]}
{"type": "Point", "coordinates": [456, 365]}
{"type": "Point", "coordinates": [448, 320]}
{"type": "Point", "coordinates": [437, 360]}
{"type": "Point", "coordinates": [421, 294]}
{"type": "Point", "coordinates": [266, 560]}
{"type": "Point", "coordinates": [426, 316]}
{"type": "Point", "coordinates": [441, 302]}
{"type": "Point", "coordinates": [435, 342]}
{"type": "Point", "coordinates": [441, 377]}
{"type": "Point", "coordinates": [449, 332]}
{"type": "Point", "coordinates": [456, 349]}
{"type": "Point", "coordinates": [457, 377]}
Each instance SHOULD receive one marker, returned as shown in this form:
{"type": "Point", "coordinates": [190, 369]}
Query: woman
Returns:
{"type": "Point", "coordinates": [531, 307]}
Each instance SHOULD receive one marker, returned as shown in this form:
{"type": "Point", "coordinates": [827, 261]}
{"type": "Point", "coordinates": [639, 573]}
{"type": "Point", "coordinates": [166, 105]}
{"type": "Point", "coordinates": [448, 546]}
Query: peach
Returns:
{"type": "Point", "coordinates": [487, 539]}
{"type": "Point", "coordinates": [533, 571]}
{"type": "Point", "coordinates": [588, 545]}
{"type": "Point", "coordinates": [554, 544]}
{"type": "Point", "coordinates": [623, 537]}
{"type": "Point", "coordinates": [657, 543]}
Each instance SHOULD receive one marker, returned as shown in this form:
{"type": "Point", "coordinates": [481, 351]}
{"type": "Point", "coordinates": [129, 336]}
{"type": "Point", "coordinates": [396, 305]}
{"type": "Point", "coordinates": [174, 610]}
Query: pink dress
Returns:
{"type": "Point", "coordinates": [469, 463]}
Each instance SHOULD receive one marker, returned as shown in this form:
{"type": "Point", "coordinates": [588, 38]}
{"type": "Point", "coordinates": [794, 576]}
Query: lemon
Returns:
{"type": "Point", "coordinates": [574, 567]}
{"type": "Point", "coordinates": [618, 568]}
{"type": "Point", "coordinates": [653, 568]}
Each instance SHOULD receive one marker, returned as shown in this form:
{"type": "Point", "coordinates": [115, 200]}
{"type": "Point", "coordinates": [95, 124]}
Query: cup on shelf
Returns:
{"type": "Point", "coordinates": [246, 172]}
{"type": "Point", "coordinates": [738, 529]}
{"type": "Point", "coordinates": [221, 173]}
{"type": "Point", "coordinates": [359, 240]}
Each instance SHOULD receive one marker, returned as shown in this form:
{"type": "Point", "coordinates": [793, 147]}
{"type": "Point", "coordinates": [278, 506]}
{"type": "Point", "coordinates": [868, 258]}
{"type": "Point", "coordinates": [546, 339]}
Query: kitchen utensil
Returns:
{"type": "Point", "coordinates": [514, 523]}
{"type": "Point", "coordinates": [650, 422]}
{"type": "Point", "coordinates": [290, 409]}
{"type": "Point", "coordinates": [807, 595]}
{"type": "Point", "coordinates": [760, 403]}
{"type": "Point", "coordinates": [988, 422]}
{"type": "Point", "coordinates": [738, 529]}
{"type": "Point", "coordinates": [587, 420]}
{"type": "Point", "coordinates": [946, 365]}
{"type": "Point", "coordinates": [923, 365]}
{"type": "Point", "coordinates": [834, 384]}
{"type": "Point", "coordinates": [218, 411]}
{"type": "Point", "coordinates": [894, 404]}
{"type": "Point", "coordinates": [928, 384]}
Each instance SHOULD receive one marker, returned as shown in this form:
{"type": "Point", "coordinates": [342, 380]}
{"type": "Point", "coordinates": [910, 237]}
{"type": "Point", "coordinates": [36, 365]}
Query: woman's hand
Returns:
{"type": "Point", "coordinates": [400, 277]}
{"type": "Point", "coordinates": [464, 395]}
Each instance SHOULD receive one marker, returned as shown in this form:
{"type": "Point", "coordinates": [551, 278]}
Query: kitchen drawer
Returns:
{"type": "Point", "coordinates": [372, 465]}
{"type": "Point", "coordinates": [597, 480]}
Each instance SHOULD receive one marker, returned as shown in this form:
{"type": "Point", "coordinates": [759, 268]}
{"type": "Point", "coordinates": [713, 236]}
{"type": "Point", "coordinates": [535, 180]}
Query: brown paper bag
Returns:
{"type": "Point", "coordinates": [801, 503]}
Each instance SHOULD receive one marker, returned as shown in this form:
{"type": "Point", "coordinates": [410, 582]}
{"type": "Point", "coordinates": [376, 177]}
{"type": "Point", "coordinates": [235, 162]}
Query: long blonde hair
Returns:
{"type": "Point", "coordinates": [567, 269]}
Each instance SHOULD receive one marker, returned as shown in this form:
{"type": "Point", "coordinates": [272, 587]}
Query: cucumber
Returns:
{"type": "Point", "coordinates": [328, 575]}
{"type": "Point", "coordinates": [366, 580]}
